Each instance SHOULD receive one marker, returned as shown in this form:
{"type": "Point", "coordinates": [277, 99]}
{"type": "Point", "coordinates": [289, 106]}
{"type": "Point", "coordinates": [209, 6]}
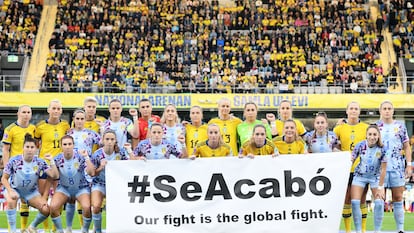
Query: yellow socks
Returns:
{"type": "Point", "coordinates": [80, 213]}
{"type": "Point", "coordinates": [346, 214]}
{"type": "Point", "coordinates": [46, 225]}
{"type": "Point", "coordinates": [364, 211]}
{"type": "Point", "coordinates": [24, 215]}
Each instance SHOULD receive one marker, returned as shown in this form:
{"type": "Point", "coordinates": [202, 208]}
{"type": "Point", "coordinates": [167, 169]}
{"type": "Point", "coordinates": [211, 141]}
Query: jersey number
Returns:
{"type": "Point", "coordinates": [227, 138]}
{"type": "Point", "coordinates": [71, 181]}
{"type": "Point", "coordinates": [26, 183]}
{"type": "Point", "coordinates": [56, 144]}
{"type": "Point", "coordinates": [193, 143]}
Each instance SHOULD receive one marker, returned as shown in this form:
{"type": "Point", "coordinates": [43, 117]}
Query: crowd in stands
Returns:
{"type": "Point", "coordinates": [399, 15]}
{"type": "Point", "coordinates": [202, 46]}
{"type": "Point", "coordinates": [19, 22]}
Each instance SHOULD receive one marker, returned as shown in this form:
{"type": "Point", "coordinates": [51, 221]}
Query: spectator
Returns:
{"type": "Point", "coordinates": [204, 47]}
{"type": "Point", "coordinates": [353, 86]}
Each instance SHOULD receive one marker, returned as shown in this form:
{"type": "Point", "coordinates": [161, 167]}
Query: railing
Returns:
{"type": "Point", "coordinates": [13, 83]}
{"type": "Point", "coordinates": [10, 83]}
{"type": "Point", "coordinates": [280, 88]}
{"type": "Point", "coordinates": [404, 80]}
{"type": "Point", "coordinates": [25, 70]}
{"type": "Point", "coordinates": [410, 84]}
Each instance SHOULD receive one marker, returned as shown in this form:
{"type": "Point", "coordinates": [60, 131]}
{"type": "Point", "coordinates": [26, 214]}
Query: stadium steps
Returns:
{"type": "Point", "coordinates": [37, 65]}
{"type": "Point", "coordinates": [227, 3]}
{"type": "Point", "coordinates": [387, 54]}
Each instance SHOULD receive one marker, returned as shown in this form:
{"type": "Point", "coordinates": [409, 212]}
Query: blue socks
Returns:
{"type": "Point", "coordinates": [399, 215]}
{"type": "Point", "coordinates": [39, 219]}
{"type": "Point", "coordinates": [11, 219]}
{"type": "Point", "coordinates": [356, 214]}
{"type": "Point", "coordinates": [86, 224]}
{"type": "Point", "coordinates": [378, 214]}
{"type": "Point", "coordinates": [58, 223]}
{"type": "Point", "coordinates": [97, 221]}
{"type": "Point", "coordinates": [70, 213]}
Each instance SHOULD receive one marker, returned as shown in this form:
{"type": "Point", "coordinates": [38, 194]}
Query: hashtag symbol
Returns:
{"type": "Point", "coordinates": [142, 185]}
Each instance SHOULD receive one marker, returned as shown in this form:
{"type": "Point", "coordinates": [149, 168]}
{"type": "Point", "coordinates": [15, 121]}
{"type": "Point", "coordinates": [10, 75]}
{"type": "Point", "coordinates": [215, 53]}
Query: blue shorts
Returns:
{"type": "Point", "coordinates": [43, 176]}
{"type": "Point", "coordinates": [394, 179]}
{"type": "Point", "coordinates": [99, 187]}
{"type": "Point", "coordinates": [26, 196]}
{"type": "Point", "coordinates": [73, 193]}
{"type": "Point", "coordinates": [362, 181]}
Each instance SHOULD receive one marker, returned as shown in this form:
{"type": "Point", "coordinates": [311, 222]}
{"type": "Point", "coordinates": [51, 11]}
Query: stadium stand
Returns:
{"type": "Point", "coordinates": [219, 46]}
{"type": "Point", "coordinates": [18, 29]}
{"type": "Point", "coordinates": [18, 26]}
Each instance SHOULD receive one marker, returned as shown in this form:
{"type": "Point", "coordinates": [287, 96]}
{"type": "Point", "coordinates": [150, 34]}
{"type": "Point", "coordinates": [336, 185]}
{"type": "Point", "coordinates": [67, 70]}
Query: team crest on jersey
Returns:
{"type": "Point", "coordinates": [378, 154]}
{"type": "Point", "coordinates": [396, 130]}
{"type": "Point", "coordinates": [117, 157]}
{"type": "Point", "coordinates": [164, 150]}
{"type": "Point", "coordinates": [35, 169]}
{"type": "Point", "coordinates": [76, 165]}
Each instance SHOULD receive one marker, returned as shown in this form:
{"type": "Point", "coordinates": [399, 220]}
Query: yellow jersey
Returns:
{"type": "Point", "coordinates": [14, 136]}
{"type": "Point", "coordinates": [228, 130]}
{"type": "Point", "coordinates": [92, 125]}
{"type": "Point", "coordinates": [268, 148]}
{"type": "Point", "coordinates": [300, 128]}
{"type": "Point", "coordinates": [296, 147]}
{"type": "Point", "coordinates": [349, 136]}
{"type": "Point", "coordinates": [203, 150]}
{"type": "Point", "coordinates": [194, 135]}
{"type": "Point", "coordinates": [50, 136]}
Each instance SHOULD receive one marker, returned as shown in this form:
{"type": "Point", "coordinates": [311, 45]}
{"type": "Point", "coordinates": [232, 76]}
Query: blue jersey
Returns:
{"type": "Point", "coordinates": [72, 171]}
{"type": "Point", "coordinates": [121, 129]}
{"type": "Point", "coordinates": [164, 150]}
{"type": "Point", "coordinates": [98, 156]}
{"type": "Point", "coordinates": [84, 139]}
{"type": "Point", "coordinates": [369, 165]}
{"type": "Point", "coordinates": [171, 134]}
{"type": "Point", "coordinates": [321, 143]}
{"type": "Point", "coordinates": [394, 136]}
{"type": "Point", "coordinates": [24, 175]}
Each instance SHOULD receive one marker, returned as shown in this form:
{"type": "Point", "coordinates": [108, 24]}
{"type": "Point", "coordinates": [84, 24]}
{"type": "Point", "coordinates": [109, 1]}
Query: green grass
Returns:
{"type": "Point", "coordinates": [76, 225]}
{"type": "Point", "coordinates": [388, 224]}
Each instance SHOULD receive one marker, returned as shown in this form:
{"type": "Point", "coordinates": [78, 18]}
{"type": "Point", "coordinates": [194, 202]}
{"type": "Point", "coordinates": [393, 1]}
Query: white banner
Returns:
{"type": "Point", "coordinates": [296, 194]}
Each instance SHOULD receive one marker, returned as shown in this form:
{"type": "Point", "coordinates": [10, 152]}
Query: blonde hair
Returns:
{"type": "Point", "coordinates": [177, 118]}
{"type": "Point", "coordinates": [22, 106]}
{"type": "Point", "coordinates": [90, 99]}
{"type": "Point", "coordinates": [353, 102]}
{"type": "Point", "coordinates": [221, 141]}
{"type": "Point", "coordinates": [221, 101]}
{"type": "Point", "coordinates": [54, 101]}
{"type": "Point", "coordinates": [386, 102]}
{"type": "Point", "coordinates": [290, 105]}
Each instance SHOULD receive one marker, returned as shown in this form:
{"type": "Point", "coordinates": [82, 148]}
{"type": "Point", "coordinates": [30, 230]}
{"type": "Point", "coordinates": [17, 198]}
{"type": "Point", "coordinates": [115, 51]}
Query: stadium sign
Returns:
{"type": "Point", "coordinates": [208, 101]}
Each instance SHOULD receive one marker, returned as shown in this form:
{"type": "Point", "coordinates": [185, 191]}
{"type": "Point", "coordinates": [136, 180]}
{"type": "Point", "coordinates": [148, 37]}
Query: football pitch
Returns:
{"type": "Point", "coordinates": [387, 226]}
